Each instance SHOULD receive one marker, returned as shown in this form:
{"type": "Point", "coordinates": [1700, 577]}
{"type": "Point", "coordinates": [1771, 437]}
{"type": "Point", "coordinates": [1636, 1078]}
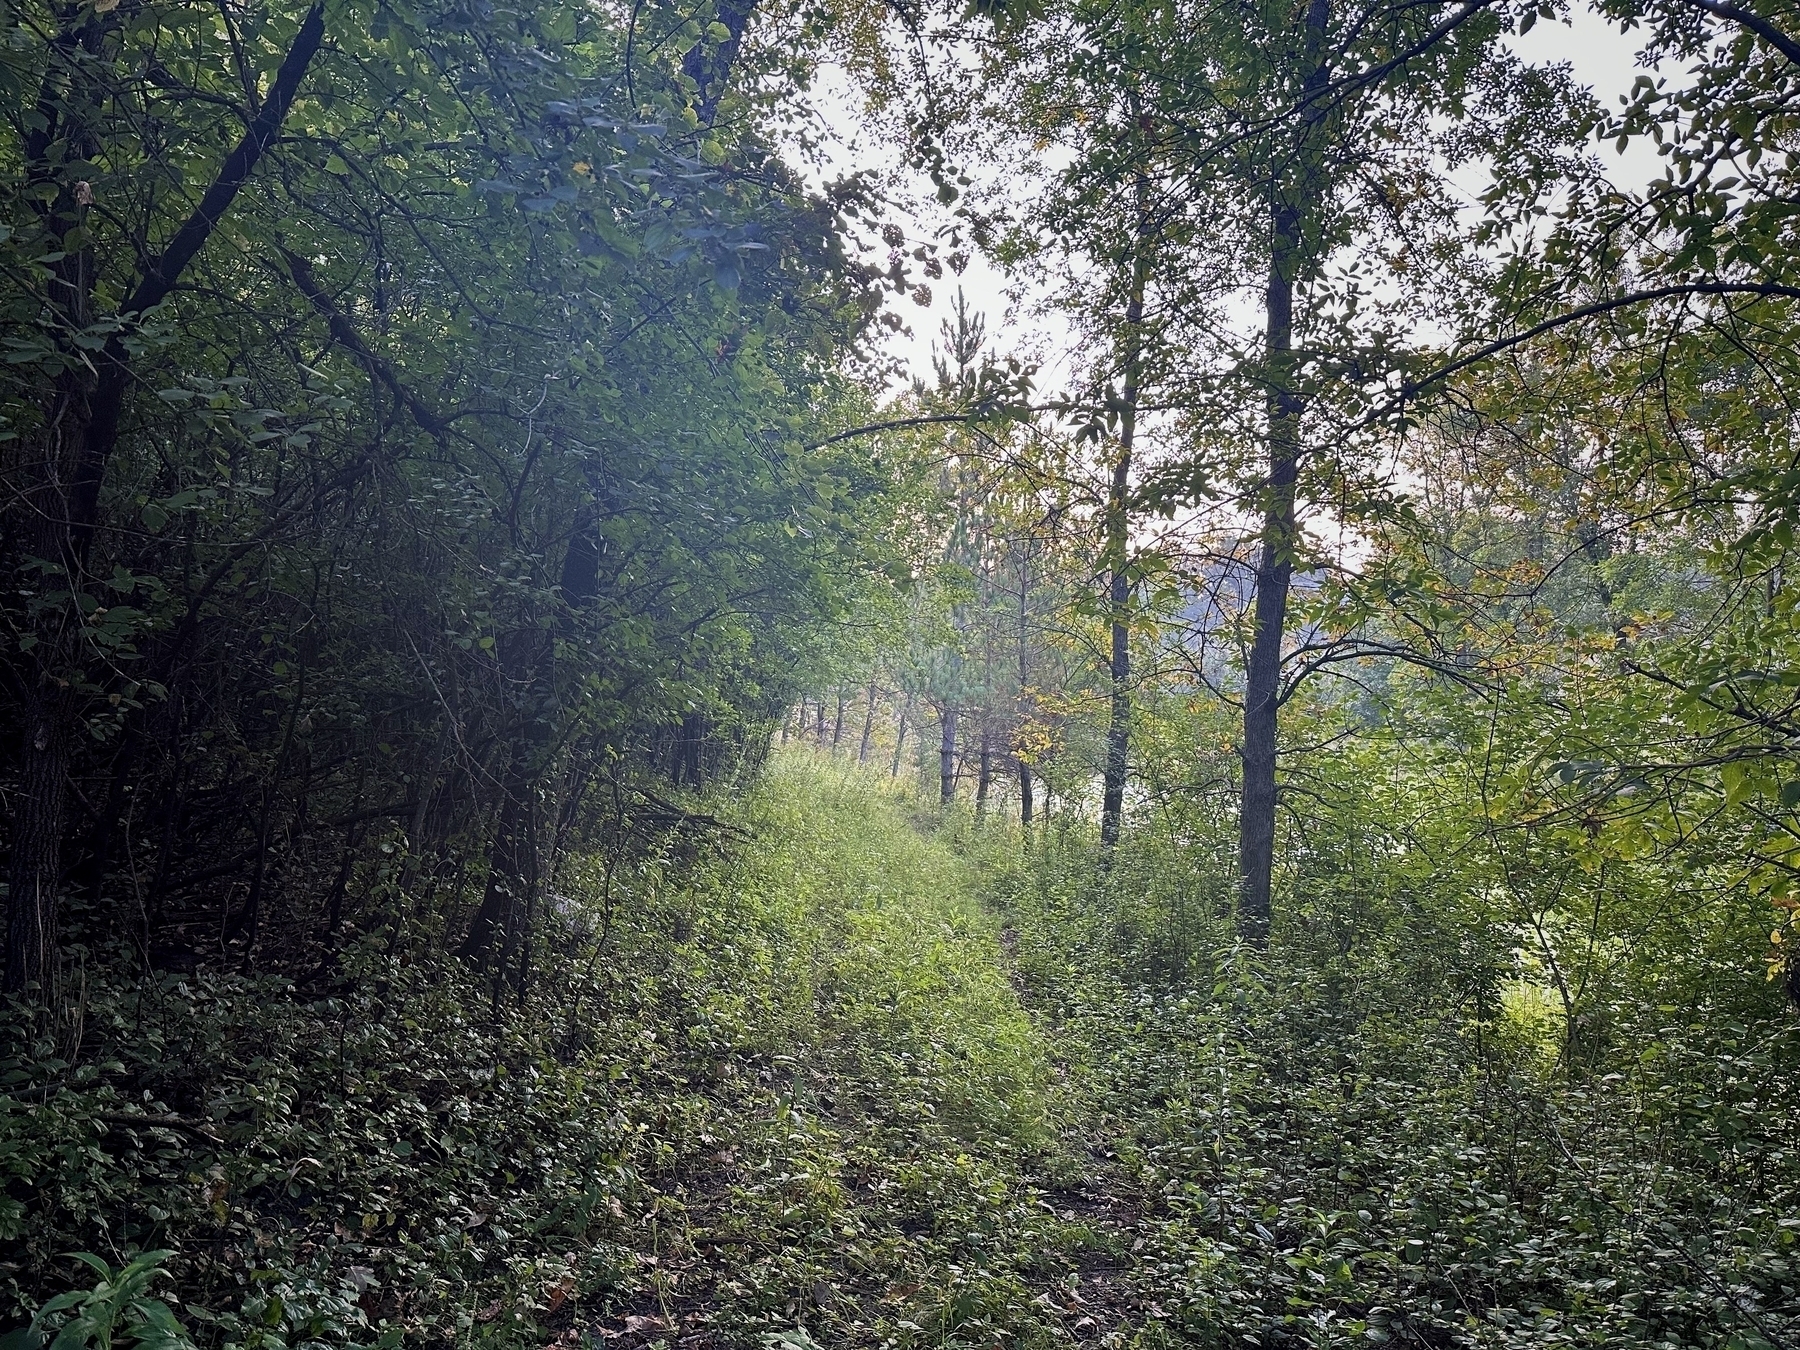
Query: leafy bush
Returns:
{"type": "Point", "coordinates": [117, 1309]}
{"type": "Point", "coordinates": [1343, 1147]}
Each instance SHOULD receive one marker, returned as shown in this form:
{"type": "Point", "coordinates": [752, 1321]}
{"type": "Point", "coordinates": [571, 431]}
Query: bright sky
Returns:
{"type": "Point", "coordinates": [1605, 60]}
{"type": "Point", "coordinates": [1598, 54]}
{"type": "Point", "coordinates": [850, 146]}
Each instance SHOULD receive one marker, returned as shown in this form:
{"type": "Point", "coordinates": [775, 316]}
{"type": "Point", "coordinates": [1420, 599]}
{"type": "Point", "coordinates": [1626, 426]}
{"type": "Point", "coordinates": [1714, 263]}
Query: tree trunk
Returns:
{"type": "Point", "coordinates": [1118, 534]}
{"type": "Point", "coordinates": [528, 662]}
{"type": "Point", "coordinates": [868, 731]}
{"type": "Point", "coordinates": [510, 870]}
{"type": "Point", "coordinates": [837, 727]}
{"type": "Point", "coordinates": [1024, 703]}
{"type": "Point", "coordinates": [984, 775]}
{"type": "Point", "coordinates": [1275, 561]}
{"type": "Point", "coordinates": [36, 873]}
{"type": "Point", "coordinates": [900, 735]}
{"type": "Point", "coordinates": [947, 757]}
{"type": "Point", "coordinates": [690, 768]}
{"type": "Point", "coordinates": [708, 64]}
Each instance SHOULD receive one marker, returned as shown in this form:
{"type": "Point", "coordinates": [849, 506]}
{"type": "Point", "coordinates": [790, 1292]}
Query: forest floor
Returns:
{"type": "Point", "coordinates": [912, 1159]}
{"type": "Point", "coordinates": [856, 1074]}
{"type": "Point", "coordinates": [976, 1112]}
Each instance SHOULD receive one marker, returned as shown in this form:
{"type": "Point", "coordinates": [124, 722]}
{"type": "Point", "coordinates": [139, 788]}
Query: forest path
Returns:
{"type": "Point", "coordinates": [892, 1152]}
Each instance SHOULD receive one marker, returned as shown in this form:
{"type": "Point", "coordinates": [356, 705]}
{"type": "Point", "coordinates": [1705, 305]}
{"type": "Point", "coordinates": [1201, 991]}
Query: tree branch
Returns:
{"type": "Point", "coordinates": [102, 431]}
{"type": "Point", "coordinates": [162, 274]}
{"type": "Point", "coordinates": [1744, 18]}
{"type": "Point", "coordinates": [904, 423]}
{"type": "Point", "coordinates": [1770, 290]}
{"type": "Point", "coordinates": [345, 334]}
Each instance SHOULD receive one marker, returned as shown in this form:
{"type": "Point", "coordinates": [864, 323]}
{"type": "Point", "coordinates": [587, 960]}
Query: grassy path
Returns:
{"type": "Point", "coordinates": [888, 1152]}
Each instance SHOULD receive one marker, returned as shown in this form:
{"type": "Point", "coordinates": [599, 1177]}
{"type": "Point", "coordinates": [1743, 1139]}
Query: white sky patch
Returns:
{"type": "Point", "coordinates": [1604, 59]}
{"type": "Point", "coordinates": [1019, 320]}
{"type": "Point", "coordinates": [1022, 317]}
{"type": "Point", "coordinates": [1016, 325]}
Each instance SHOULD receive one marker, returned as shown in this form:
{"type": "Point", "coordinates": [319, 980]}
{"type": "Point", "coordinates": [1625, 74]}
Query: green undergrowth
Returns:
{"type": "Point", "coordinates": [781, 1088]}
{"type": "Point", "coordinates": [859, 1073]}
{"type": "Point", "coordinates": [1347, 1148]}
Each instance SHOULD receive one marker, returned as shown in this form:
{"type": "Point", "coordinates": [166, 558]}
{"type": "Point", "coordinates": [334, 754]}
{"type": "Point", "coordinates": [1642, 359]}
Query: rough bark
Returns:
{"type": "Point", "coordinates": [900, 735]}
{"type": "Point", "coordinates": [528, 663]}
{"type": "Point", "coordinates": [511, 867]}
{"type": "Point", "coordinates": [947, 756]}
{"type": "Point", "coordinates": [708, 62]}
{"type": "Point", "coordinates": [35, 876]}
{"type": "Point", "coordinates": [1118, 534]}
{"type": "Point", "coordinates": [1275, 558]}
{"type": "Point", "coordinates": [984, 771]}
{"type": "Point", "coordinates": [1024, 704]}
{"type": "Point", "coordinates": [868, 731]}
{"type": "Point", "coordinates": [689, 768]}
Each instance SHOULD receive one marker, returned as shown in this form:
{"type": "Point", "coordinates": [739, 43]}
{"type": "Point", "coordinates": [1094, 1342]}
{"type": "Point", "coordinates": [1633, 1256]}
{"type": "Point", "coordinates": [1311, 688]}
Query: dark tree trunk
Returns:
{"type": "Point", "coordinates": [984, 772]}
{"type": "Point", "coordinates": [868, 731]}
{"type": "Point", "coordinates": [427, 784]}
{"type": "Point", "coordinates": [1275, 560]}
{"type": "Point", "coordinates": [340, 887]}
{"type": "Point", "coordinates": [1118, 729]}
{"type": "Point", "coordinates": [900, 735]}
{"type": "Point", "coordinates": [1024, 703]}
{"type": "Point", "coordinates": [51, 710]}
{"type": "Point", "coordinates": [512, 869]}
{"type": "Point", "coordinates": [87, 873]}
{"type": "Point", "coordinates": [1118, 534]}
{"type": "Point", "coordinates": [693, 744]}
{"type": "Point", "coordinates": [37, 834]}
{"type": "Point", "coordinates": [837, 726]}
{"type": "Point", "coordinates": [708, 63]}
{"type": "Point", "coordinates": [528, 663]}
{"type": "Point", "coordinates": [947, 756]}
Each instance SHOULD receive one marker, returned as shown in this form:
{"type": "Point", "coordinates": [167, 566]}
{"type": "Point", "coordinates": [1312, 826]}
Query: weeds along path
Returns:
{"type": "Point", "coordinates": [965, 1113]}
{"type": "Point", "coordinates": [797, 1085]}
{"type": "Point", "coordinates": [876, 1145]}
{"type": "Point", "coordinates": [779, 1086]}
